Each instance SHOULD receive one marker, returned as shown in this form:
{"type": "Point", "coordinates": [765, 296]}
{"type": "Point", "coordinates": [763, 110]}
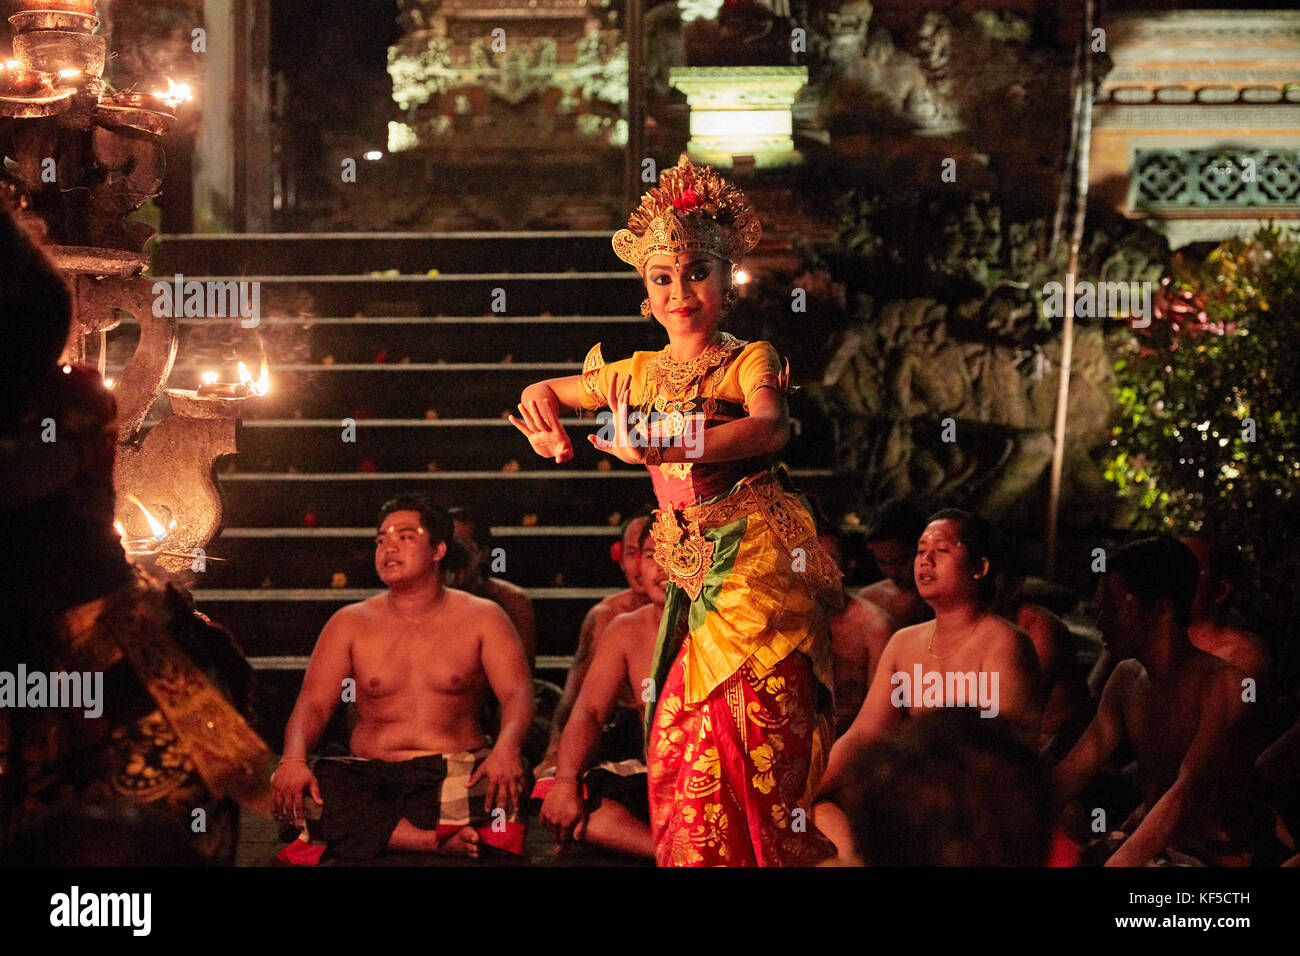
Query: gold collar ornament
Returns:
{"type": "Point", "coordinates": [691, 210]}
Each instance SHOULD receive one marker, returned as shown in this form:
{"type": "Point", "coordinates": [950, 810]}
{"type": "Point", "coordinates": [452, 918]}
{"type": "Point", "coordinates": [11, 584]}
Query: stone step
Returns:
{"type": "Point", "coordinates": [404, 445]}
{"type": "Point", "coordinates": [265, 499]}
{"type": "Point", "coordinates": [419, 339]}
{"type": "Point", "coordinates": [523, 293]}
{"type": "Point", "coordinates": [407, 252]}
{"type": "Point", "coordinates": [295, 558]}
{"type": "Point", "coordinates": [315, 390]}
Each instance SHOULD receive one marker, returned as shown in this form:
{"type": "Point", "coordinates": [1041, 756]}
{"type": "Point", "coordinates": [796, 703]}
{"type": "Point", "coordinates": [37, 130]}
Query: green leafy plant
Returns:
{"type": "Point", "coordinates": [1207, 435]}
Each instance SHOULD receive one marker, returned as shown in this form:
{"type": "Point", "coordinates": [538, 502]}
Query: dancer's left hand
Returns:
{"type": "Point", "coordinates": [622, 447]}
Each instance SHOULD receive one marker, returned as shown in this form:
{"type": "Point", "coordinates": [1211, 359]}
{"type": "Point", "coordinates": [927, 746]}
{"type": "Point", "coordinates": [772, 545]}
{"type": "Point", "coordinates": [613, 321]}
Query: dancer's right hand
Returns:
{"type": "Point", "coordinates": [541, 426]}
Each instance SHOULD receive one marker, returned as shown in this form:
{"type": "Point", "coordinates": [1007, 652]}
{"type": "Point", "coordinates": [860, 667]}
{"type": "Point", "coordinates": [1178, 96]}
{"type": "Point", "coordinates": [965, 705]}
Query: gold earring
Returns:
{"type": "Point", "coordinates": [645, 308]}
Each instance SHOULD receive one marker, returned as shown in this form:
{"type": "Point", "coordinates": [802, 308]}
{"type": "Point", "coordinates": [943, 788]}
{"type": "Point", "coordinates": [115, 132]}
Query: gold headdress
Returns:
{"type": "Point", "coordinates": [692, 209]}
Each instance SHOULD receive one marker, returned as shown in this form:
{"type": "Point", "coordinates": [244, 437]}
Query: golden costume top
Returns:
{"type": "Point", "coordinates": [680, 401]}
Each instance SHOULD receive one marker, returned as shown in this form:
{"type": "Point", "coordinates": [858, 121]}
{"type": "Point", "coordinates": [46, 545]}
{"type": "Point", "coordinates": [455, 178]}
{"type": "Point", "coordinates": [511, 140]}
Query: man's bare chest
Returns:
{"type": "Point", "coordinates": [398, 663]}
{"type": "Point", "coordinates": [1161, 722]}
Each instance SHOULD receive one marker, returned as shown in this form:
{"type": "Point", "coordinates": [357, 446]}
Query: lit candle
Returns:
{"type": "Point", "coordinates": [175, 94]}
{"type": "Point", "coordinates": [224, 390]}
{"type": "Point", "coordinates": [246, 387]}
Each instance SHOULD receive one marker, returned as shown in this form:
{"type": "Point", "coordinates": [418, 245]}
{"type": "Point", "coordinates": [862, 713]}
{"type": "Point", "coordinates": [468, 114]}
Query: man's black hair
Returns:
{"type": "Point", "coordinates": [949, 789]}
{"type": "Point", "coordinates": [433, 519]}
{"type": "Point", "coordinates": [645, 533]}
{"type": "Point", "coordinates": [480, 529]}
{"type": "Point", "coordinates": [635, 516]}
{"type": "Point", "coordinates": [1157, 567]}
{"type": "Point", "coordinates": [902, 519]}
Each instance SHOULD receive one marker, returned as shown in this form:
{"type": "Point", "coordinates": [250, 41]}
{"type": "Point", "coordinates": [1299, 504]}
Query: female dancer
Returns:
{"type": "Point", "coordinates": [740, 722]}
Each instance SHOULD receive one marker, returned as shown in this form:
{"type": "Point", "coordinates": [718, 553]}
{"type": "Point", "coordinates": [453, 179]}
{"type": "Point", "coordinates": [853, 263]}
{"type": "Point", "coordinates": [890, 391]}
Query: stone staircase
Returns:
{"type": "Point", "coordinates": [355, 327]}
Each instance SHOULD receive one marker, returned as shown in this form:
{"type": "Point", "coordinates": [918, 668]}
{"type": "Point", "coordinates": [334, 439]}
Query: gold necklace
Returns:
{"type": "Point", "coordinates": [930, 646]}
{"type": "Point", "coordinates": [393, 604]}
{"type": "Point", "coordinates": [667, 376]}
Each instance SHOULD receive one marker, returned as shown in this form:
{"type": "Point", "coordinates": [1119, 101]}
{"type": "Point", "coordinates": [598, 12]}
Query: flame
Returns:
{"type": "Point", "coordinates": [158, 530]}
{"type": "Point", "coordinates": [209, 378]}
{"type": "Point", "coordinates": [256, 386]}
{"type": "Point", "coordinates": [69, 74]}
{"type": "Point", "coordinates": [176, 93]}
{"type": "Point", "coordinates": [12, 64]}
{"type": "Point", "coordinates": [109, 383]}
{"type": "Point", "coordinates": [117, 526]}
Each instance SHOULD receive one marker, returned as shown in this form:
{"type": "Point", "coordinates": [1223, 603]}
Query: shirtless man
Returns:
{"type": "Point", "coordinates": [1212, 628]}
{"type": "Point", "coordinates": [1065, 691]}
{"type": "Point", "coordinates": [966, 657]}
{"type": "Point", "coordinates": [420, 658]}
{"type": "Point", "coordinates": [619, 676]}
{"type": "Point", "coordinates": [476, 538]}
{"type": "Point", "coordinates": [892, 542]}
{"type": "Point", "coordinates": [1175, 704]}
{"type": "Point", "coordinates": [859, 632]}
{"type": "Point", "coordinates": [628, 554]}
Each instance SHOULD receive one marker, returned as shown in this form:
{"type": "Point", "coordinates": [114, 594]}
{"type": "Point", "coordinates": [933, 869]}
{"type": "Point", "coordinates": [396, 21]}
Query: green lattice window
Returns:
{"type": "Point", "coordinates": [1222, 178]}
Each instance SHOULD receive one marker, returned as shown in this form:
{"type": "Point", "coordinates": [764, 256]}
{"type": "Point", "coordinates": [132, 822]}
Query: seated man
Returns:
{"type": "Point", "coordinates": [475, 537]}
{"type": "Point", "coordinates": [1173, 703]}
{"type": "Point", "coordinates": [891, 539]}
{"type": "Point", "coordinates": [967, 657]}
{"type": "Point", "coordinates": [1066, 702]}
{"type": "Point", "coordinates": [627, 552]}
{"type": "Point", "coordinates": [614, 812]}
{"type": "Point", "coordinates": [419, 658]}
{"type": "Point", "coordinates": [859, 632]}
{"type": "Point", "coordinates": [1214, 628]}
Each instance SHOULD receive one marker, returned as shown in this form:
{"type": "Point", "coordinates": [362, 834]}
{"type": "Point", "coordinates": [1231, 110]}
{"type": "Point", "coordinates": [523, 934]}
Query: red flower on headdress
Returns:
{"type": "Point", "coordinates": [688, 200]}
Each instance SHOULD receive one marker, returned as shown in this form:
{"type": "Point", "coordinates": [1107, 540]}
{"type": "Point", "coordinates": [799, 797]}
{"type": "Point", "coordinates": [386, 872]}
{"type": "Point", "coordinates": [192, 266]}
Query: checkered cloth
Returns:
{"type": "Point", "coordinates": [365, 799]}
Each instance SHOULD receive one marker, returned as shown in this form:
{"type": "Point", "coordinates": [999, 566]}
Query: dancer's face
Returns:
{"type": "Point", "coordinates": [686, 291]}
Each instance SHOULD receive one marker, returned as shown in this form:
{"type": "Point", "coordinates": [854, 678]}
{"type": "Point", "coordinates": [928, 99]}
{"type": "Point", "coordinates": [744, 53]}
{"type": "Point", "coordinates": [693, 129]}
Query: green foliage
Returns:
{"type": "Point", "coordinates": [1219, 357]}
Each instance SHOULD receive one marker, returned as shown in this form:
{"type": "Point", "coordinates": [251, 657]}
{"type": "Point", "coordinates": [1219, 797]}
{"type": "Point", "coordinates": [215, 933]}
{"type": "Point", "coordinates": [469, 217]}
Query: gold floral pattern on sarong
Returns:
{"type": "Point", "coordinates": [715, 801]}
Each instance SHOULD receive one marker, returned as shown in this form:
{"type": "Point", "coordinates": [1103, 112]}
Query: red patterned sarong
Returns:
{"type": "Point", "coordinates": [729, 776]}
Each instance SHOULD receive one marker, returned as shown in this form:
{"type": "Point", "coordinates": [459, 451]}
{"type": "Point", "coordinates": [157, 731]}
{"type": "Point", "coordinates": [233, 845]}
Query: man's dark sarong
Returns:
{"type": "Point", "coordinates": [365, 800]}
